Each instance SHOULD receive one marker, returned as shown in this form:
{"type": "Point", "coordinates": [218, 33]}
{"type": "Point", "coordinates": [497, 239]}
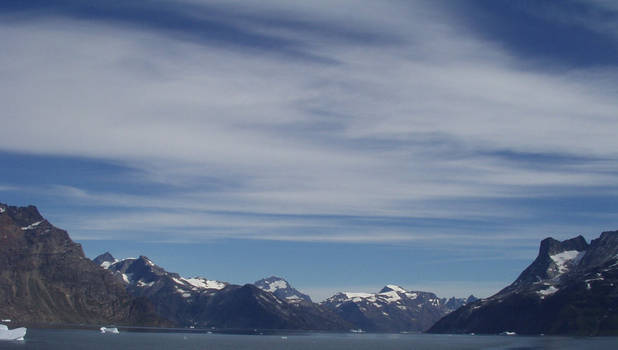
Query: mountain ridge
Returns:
{"type": "Point", "coordinates": [570, 288]}
{"type": "Point", "coordinates": [45, 278]}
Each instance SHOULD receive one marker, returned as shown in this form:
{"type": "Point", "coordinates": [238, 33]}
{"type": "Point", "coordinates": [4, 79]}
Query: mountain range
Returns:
{"type": "Point", "coordinates": [272, 303]}
{"type": "Point", "coordinates": [45, 279]}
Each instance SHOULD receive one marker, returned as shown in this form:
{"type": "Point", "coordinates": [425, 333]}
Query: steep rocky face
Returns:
{"type": "Point", "coordinates": [202, 302]}
{"type": "Point", "coordinates": [392, 309]}
{"type": "Point", "coordinates": [46, 279]}
{"type": "Point", "coordinates": [570, 288]}
{"type": "Point", "coordinates": [281, 289]}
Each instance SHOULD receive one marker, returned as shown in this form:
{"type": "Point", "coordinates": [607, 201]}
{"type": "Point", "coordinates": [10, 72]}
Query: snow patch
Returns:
{"type": "Point", "coordinates": [548, 291]}
{"type": "Point", "coordinates": [2, 210]}
{"type": "Point", "coordinates": [196, 282]}
{"type": "Point", "coordinates": [144, 284]}
{"type": "Point", "coordinates": [202, 283]}
{"type": "Point", "coordinates": [31, 226]}
{"type": "Point", "coordinates": [411, 295]}
{"type": "Point", "coordinates": [182, 292]}
{"type": "Point", "coordinates": [391, 297]}
{"type": "Point", "coordinates": [357, 295]}
{"type": "Point", "coordinates": [276, 285]}
{"type": "Point", "coordinates": [396, 288]}
{"type": "Point", "coordinates": [567, 257]}
{"type": "Point", "coordinates": [214, 285]}
{"type": "Point", "coordinates": [107, 264]}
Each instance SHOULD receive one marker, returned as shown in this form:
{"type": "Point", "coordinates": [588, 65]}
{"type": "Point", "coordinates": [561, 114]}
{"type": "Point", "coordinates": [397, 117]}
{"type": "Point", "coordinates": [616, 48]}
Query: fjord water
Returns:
{"type": "Point", "coordinates": [93, 340]}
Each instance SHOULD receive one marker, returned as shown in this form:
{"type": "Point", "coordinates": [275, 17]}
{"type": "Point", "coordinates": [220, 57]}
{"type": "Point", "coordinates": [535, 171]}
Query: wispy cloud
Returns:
{"type": "Point", "coordinates": [300, 110]}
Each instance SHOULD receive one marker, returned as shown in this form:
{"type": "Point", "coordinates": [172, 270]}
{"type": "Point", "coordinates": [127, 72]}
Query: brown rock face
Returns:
{"type": "Point", "coordinates": [46, 279]}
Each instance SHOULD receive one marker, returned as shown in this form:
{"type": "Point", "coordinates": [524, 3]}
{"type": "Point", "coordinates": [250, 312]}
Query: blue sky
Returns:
{"type": "Point", "coordinates": [343, 145]}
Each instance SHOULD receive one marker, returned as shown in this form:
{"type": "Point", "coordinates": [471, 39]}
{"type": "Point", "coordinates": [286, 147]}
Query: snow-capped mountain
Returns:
{"type": "Point", "coordinates": [392, 309]}
{"type": "Point", "coordinates": [570, 288]}
{"type": "Point", "coordinates": [202, 302]}
{"type": "Point", "coordinates": [142, 274]}
{"type": "Point", "coordinates": [281, 289]}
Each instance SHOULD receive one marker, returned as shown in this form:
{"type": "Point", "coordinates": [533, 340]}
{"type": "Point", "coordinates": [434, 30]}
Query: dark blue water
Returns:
{"type": "Point", "coordinates": [93, 340]}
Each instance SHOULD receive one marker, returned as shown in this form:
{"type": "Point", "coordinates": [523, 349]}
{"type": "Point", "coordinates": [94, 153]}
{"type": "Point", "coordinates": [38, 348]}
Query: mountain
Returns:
{"type": "Point", "coordinates": [205, 303]}
{"type": "Point", "coordinates": [392, 309]}
{"type": "Point", "coordinates": [281, 289]}
{"type": "Point", "coordinates": [570, 288]}
{"type": "Point", "coordinates": [46, 279]}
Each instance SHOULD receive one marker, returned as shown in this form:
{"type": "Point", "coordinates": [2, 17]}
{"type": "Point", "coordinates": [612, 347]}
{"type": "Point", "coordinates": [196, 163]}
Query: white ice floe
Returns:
{"type": "Point", "coordinates": [569, 257]}
{"type": "Point", "coordinates": [12, 334]}
{"type": "Point", "coordinates": [508, 333]}
{"type": "Point", "coordinates": [109, 330]}
{"type": "Point", "coordinates": [31, 226]}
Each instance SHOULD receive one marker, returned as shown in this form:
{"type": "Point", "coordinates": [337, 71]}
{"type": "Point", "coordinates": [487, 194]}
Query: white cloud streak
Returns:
{"type": "Point", "coordinates": [385, 131]}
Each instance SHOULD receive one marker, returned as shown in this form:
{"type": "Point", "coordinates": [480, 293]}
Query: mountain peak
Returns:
{"type": "Point", "coordinates": [281, 289]}
{"type": "Point", "coordinates": [554, 259]}
{"type": "Point", "coordinates": [551, 246]}
{"type": "Point", "coordinates": [104, 260]}
{"type": "Point", "coordinates": [26, 217]}
{"type": "Point", "coordinates": [392, 288]}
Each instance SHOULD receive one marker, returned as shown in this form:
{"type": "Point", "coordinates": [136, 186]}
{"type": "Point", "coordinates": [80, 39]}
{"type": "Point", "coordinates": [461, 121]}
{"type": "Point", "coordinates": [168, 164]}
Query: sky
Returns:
{"type": "Point", "coordinates": [343, 145]}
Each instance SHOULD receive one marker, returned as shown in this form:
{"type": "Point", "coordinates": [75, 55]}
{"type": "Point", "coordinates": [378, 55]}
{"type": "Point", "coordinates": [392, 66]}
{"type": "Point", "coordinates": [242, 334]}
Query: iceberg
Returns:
{"type": "Point", "coordinates": [12, 334]}
{"type": "Point", "coordinates": [111, 330]}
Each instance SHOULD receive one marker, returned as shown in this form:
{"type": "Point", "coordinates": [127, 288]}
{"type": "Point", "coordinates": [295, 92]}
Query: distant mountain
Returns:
{"type": "Point", "coordinates": [46, 279]}
{"type": "Point", "coordinates": [392, 309]}
{"type": "Point", "coordinates": [202, 302]}
{"type": "Point", "coordinates": [570, 288]}
{"type": "Point", "coordinates": [281, 289]}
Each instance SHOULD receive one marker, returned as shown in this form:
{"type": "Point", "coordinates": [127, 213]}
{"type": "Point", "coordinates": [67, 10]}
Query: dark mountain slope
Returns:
{"type": "Point", "coordinates": [570, 288]}
{"type": "Point", "coordinates": [46, 279]}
